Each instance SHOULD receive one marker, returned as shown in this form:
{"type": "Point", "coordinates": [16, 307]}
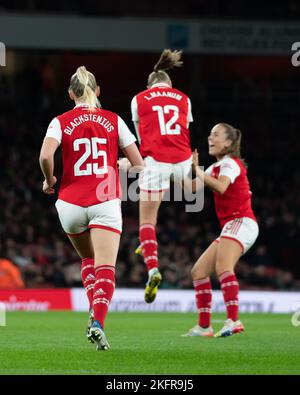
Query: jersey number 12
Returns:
{"type": "Point", "coordinates": [169, 127]}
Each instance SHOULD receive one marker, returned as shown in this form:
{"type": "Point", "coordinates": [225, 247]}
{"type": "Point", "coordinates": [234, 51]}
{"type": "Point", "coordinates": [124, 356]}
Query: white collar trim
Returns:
{"type": "Point", "coordinates": [164, 84]}
{"type": "Point", "coordinates": [220, 161]}
{"type": "Point", "coordinates": [82, 105]}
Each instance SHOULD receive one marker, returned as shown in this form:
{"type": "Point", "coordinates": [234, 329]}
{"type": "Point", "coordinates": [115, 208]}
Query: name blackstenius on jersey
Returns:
{"type": "Point", "coordinates": [88, 117]}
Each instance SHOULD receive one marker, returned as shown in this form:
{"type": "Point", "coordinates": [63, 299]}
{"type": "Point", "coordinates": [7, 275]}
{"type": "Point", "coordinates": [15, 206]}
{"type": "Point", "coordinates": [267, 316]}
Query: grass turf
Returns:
{"type": "Point", "coordinates": [146, 343]}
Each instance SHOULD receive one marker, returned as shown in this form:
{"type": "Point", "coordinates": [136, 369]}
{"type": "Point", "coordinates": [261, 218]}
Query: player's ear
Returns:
{"type": "Point", "coordinates": [98, 91]}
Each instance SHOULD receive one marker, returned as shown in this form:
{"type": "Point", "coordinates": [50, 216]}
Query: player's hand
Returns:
{"type": "Point", "coordinates": [48, 189]}
{"type": "Point", "coordinates": [124, 164]}
{"type": "Point", "coordinates": [195, 158]}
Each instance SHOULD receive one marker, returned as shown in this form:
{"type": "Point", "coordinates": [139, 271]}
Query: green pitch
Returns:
{"type": "Point", "coordinates": [146, 343]}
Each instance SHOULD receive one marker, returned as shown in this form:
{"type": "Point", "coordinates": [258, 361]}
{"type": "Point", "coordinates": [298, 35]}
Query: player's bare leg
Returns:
{"type": "Point", "coordinates": [206, 264]}
{"type": "Point", "coordinates": [83, 245]}
{"type": "Point", "coordinates": [149, 205]}
{"type": "Point", "coordinates": [201, 272]}
{"type": "Point", "coordinates": [228, 254]}
{"type": "Point", "coordinates": [106, 246]}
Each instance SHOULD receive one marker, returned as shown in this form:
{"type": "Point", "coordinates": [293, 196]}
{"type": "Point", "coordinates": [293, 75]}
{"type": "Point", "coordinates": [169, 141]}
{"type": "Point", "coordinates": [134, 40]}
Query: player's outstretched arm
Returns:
{"type": "Point", "coordinates": [219, 185]}
{"type": "Point", "coordinates": [133, 155]}
{"type": "Point", "coordinates": [48, 150]}
{"type": "Point", "coordinates": [136, 127]}
{"type": "Point", "coordinates": [191, 184]}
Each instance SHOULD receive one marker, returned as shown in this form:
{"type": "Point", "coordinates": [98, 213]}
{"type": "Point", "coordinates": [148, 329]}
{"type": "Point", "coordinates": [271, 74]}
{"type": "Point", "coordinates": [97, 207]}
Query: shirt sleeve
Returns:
{"type": "Point", "coordinates": [134, 110]}
{"type": "Point", "coordinates": [230, 169]}
{"type": "Point", "coordinates": [208, 171]}
{"type": "Point", "coordinates": [125, 136]}
{"type": "Point", "coordinates": [190, 115]}
{"type": "Point", "coordinates": [54, 130]}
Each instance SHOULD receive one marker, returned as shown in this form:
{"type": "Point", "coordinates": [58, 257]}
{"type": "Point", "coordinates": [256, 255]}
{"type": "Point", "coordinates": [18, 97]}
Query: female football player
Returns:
{"type": "Point", "coordinates": [227, 178]}
{"type": "Point", "coordinates": [88, 205]}
{"type": "Point", "coordinates": [161, 115]}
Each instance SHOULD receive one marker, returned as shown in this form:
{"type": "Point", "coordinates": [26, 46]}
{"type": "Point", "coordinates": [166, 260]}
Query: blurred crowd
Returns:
{"type": "Point", "coordinates": [31, 236]}
{"type": "Point", "coordinates": [32, 239]}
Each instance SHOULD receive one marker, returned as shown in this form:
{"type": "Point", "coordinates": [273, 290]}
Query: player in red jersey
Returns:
{"type": "Point", "coordinates": [89, 205]}
{"type": "Point", "coordinates": [227, 178]}
{"type": "Point", "coordinates": [161, 115]}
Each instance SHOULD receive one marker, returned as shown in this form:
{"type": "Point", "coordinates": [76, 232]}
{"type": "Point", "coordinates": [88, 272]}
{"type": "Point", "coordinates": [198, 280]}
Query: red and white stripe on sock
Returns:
{"type": "Point", "coordinates": [230, 289]}
{"type": "Point", "coordinates": [149, 245]}
{"type": "Point", "coordinates": [103, 291]}
{"type": "Point", "coordinates": [203, 292]}
{"type": "Point", "coordinates": [88, 278]}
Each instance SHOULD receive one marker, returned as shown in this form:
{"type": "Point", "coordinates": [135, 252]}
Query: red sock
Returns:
{"type": "Point", "coordinates": [230, 289]}
{"type": "Point", "coordinates": [103, 291]}
{"type": "Point", "coordinates": [149, 245]}
{"type": "Point", "coordinates": [88, 278]}
{"type": "Point", "coordinates": [203, 300]}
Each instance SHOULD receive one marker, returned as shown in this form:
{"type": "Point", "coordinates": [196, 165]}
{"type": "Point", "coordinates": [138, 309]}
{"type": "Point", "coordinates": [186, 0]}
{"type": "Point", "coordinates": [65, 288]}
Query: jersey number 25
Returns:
{"type": "Point", "coordinates": [91, 149]}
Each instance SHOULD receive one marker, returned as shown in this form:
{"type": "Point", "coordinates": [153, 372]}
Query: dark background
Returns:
{"type": "Point", "coordinates": [258, 94]}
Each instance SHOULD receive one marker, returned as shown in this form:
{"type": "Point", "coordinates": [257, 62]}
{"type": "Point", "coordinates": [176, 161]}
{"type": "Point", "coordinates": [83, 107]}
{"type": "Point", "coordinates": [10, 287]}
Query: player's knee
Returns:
{"type": "Point", "coordinates": [197, 272]}
{"type": "Point", "coordinates": [222, 265]}
{"type": "Point", "coordinates": [194, 272]}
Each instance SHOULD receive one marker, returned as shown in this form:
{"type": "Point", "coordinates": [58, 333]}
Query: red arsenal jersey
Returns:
{"type": "Point", "coordinates": [89, 142]}
{"type": "Point", "coordinates": [236, 200]}
{"type": "Point", "coordinates": [163, 115]}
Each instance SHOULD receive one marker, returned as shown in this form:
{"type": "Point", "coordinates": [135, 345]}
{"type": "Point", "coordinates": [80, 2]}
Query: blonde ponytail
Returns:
{"type": "Point", "coordinates": [167, 61]}
{"type": "Point", "coordinates": [235, 136]}
{"type": "Point", "coordinates": [84, 85]}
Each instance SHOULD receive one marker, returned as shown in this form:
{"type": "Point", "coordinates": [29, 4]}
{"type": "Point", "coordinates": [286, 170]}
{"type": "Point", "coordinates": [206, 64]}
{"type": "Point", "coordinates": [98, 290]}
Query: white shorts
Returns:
{"type": "Point", "coordinates": [76, 220]}
{"type": "Point", "coordinates": [242, 230]}
{"type": "Point", "coordinates": [157, 175]}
